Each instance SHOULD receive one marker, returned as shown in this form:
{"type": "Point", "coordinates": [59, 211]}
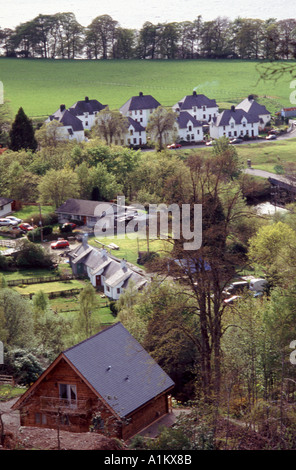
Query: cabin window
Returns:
{"type": "Point", "coordinates": [40, 418]}
{"type": "Point", "coordinates": [68, 393]}
{"type": "Point", "coordinates": [118, 290]}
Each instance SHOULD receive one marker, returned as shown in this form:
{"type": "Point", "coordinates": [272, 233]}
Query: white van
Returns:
{"type": "Point", "coordinates": [258, 285]}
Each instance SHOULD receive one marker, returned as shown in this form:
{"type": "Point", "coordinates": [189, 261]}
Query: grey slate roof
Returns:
{"type": "Point", "coordinates": [189, 101]}
{"type": "Point", "coordinates": [81, 207]}
{"type": "Point", "coordinates": [139, 102]}
{"type": "Point", "coordinates": [66, 118]}
{"type": "Point", "coordinates": [5, 200]}
{"type": "Point", "coordinates": [86, 106]}
{"type": "Point", "coordinates": [119, 369]}
{"type": "Point", "coordinates": [237, 114]}
{"type": "Point", "coordinates": [183, 119]}
{"type": "Point", "coordinates": [251, 106]}
{"type": "Point", "coordinates": [136, 125]}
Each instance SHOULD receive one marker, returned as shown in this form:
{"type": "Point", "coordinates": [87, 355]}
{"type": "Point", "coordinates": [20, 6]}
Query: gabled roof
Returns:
{"type": "Point", "coordinates": [238, 115]}
{"type": "Point", "coordinates": [86, 106]}
{"type": "Point", "coordinates": [81, 207]}
{"type": "Point", "coordinates": [251, 106]}
{"type": "Point", "coordinates": [116, 367]}
{"type": "Point", "coordinates": [189, 101]}
{"type": "Point", "coordinates": [183, 119]}
{"type": "Point", "coordinates": [139, 102]}
{"type": "Point", "coordinates": [66, 118]}
{"type": "Point", "coordinates": [5, 200]}
{"type": "Point", "coordinates": [136, 125]}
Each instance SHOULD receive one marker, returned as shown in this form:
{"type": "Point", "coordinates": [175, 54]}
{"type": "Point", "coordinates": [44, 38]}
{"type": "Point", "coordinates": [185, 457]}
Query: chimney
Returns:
{"type": "Point", "coordinates": [250, 97]}
{"type": "Point", "coordinates": [86, 99]}
{"type": "Point", "coordinates": [194, 93]}
{"type": "Point", "coordinates": [62, 107]}
{"type": "Point", "coordinates": [123, 264]}
{"type": "Point", "coordinates": [141, 93]}
{"type": "Point", "coordinates": [84, 241]}
{"type": "Point", "coordinates": [103, 252]}
{"type": "Point", "coordinates": [233, 108]}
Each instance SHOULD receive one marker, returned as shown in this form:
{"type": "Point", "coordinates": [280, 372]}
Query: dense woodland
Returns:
{"type": "Point", "coordinates": [60, 36]}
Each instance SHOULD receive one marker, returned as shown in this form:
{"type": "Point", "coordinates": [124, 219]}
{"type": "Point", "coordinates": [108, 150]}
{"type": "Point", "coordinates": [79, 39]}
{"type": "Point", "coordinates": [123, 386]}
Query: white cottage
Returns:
{"type": "Point", "coordinates": [71, 127]}
{"type": "Point", "coordinates": [5, 206]}
{"type": "Point", "coordinates": [198, 106]}
{"type": "Point", "coordinates": [233, 123]}
{"type": "Point", "coordinates": [189, 129]}
{"type": "Point", "coordinates": [136, 134]}
{"type": "Point", "coordinates": [87, 110]}
{"type": "Point", "coordinates": [250, 106]}
{"type": "Point", "coordinates": [140, 108]}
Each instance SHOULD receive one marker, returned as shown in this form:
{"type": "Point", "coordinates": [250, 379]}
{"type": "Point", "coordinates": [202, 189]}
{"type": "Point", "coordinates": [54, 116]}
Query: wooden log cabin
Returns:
{"type": "Point", "coordinates": [107, 383]}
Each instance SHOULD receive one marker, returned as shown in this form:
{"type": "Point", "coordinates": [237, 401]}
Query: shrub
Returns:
{"type": "Point", "coordinates": [23, 365]}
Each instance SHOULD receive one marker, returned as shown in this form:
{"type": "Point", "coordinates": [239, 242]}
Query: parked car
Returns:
{"type": "Point", "coordinates": [209, 143]}
{"type": "Point", "coordinates": [270, 137]}
{"type": "Point", "coordinates": [11, 222]}
{"type": "Point", "coordinates": [236, 141]}
{"type": "Point", "coordinates": [26, 227]}
{"type": "Point", "coordinates": [59, 244]}
{"type": "Point", "coordinates": [258, 285]}
{"type": "Point", "coordinates": [6, 222]}
{"type": "Point", "coordinates": [174, 146]}
{"type": "Point", "coordinates": [237, 286]}
{"type": "Point", "coordinates": [69, 224]}
{"type": "Point", "coordinates": [14, 219]}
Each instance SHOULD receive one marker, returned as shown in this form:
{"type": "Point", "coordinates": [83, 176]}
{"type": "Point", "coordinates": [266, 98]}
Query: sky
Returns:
{"type": "Point", "coordinates": [134, 13]}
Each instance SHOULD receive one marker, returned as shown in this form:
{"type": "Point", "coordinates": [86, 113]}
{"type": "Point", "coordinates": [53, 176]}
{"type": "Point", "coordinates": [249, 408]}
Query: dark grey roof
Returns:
{"type": "Point", "coordinates": [251, 106]}
{"type": "Point", "coordinates": [136, 125]}
{"type": "Point", "coordinates": [139, 102]}
{"type": "Point", "coordinates": [237, 114]}
{"type": "Point", "coordinates": [183, 119]}
{"type": "Point", "coordinates": [86, 106]}
{"type": "Point", "coordinates": [119, 369]}
{"type": "Point", "coordinates": [81, 207]}
{"type": "Point", "coordinates": [5, 200]}
{"type": "Point", "coordinates": [189, 101]}
{"type": "Point", "coordinates": [67, 119]}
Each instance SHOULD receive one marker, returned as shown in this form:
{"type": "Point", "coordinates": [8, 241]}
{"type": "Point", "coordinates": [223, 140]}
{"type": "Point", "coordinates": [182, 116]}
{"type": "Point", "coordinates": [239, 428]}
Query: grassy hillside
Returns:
{"type": "Point", "coordinates": [40, 86]}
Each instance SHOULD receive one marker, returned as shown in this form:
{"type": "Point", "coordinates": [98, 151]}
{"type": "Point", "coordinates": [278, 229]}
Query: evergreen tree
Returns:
{"type": "Point", "coordinates": [22, 133]}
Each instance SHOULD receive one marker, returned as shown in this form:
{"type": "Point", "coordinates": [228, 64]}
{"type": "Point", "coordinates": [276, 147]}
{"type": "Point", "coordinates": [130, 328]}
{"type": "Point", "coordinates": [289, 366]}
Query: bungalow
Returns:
{"type": "Point", "coordinates": [136, 134]}
{"type": "Point", "coordinates": [234, 123]}
{"type": "Point", "coordinates": [250, 106]}
{"type": "Point", "coordinates": [5, 206]}
{"type": "Point", "coordinates": [105, 271]}
{"type": "Point", "coordinates": [140, 108]}
{"type": "Point", "coordinates": [87, 111]}
{"type": "Point", "coordinates": [107, 383]}
{"type": "Point", "coordinates": [189, 128]}
{"type": "Point", "coordinates": [199, 106]}
{"type": "Point", "coordinates": [71, 128]}
{"type": "Point", "coordinates": [89, 212]}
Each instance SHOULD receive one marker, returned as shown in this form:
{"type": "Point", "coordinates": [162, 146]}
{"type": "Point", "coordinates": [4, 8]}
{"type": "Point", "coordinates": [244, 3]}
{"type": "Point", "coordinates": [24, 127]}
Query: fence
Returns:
{"type": "Point", "coordinates": [38, 280]}
{"type": "Point", "coordinates": [6, 379]}
{"type": "Point", "coordinates": [59, 293]}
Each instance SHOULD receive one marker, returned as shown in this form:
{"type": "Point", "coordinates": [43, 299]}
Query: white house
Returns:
{"type": "Point", "coordinates": [140, 108]}
{"type": "Point", "coordinates": [234, 123]}
{"type": "Point", "coordinates": [250, 106]}
{"type": "Point", "coordinates": [87, 110]}
{"type": "Point", "coordinates": [71, 127]}
{"type": "Point", "coordinates": [199, 106]}
{"type": "Point", "coordinates": [189, 129]}
{"type": "Point", "coordinates": [5, 206]}
{"type": "Point", "coordinates": [105, 272]}
{"type": "Point", "coordinates": [136, 134]}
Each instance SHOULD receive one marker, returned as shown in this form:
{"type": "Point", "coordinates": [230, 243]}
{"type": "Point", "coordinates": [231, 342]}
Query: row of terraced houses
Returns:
{"type": "Point", "coordinates": [196, 115]}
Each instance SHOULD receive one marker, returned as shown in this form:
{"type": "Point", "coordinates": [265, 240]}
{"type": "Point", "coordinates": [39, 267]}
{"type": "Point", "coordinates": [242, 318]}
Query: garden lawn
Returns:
{"type": "Point", "coordinates": [49, 287]}
{"type": "Point", "coordinates": [129, 247]}
{"type": "Point", "coordinates": [69, 308]}
{"type": "Point", "coordinates": [28, 273]}
{"type": "Point", "coordinates": [27, 212]}
{"type": "Point", "coordinates": [40, 85]}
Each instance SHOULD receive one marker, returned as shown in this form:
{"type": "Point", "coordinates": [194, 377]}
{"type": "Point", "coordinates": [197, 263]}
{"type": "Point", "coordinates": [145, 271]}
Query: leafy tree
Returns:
{"type": "Point", "coordinates": [100, 36]}
{"type": "Point", "coordinates": [17, 319]}
{"type": "Point", "coordinates": [57, 186]}
{"type": "Point", "coordinates": [111, 126]}
{"type": "Point", "coordinates": [87, 303]}
{"type": "Point", "coordinates": [31, 255]}
{"type": "Point", "coordinates": [22, 133]}
{"type": "Point", "coordinates": [162, 126]}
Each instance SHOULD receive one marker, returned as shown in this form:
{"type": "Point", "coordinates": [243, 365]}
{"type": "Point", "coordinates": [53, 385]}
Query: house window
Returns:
{"type": "Point", "coordinates": [118, 290]}
{"type": "Point", "coordinates": [203, 108]}
{"type": "Point", "coordinates": [229, 134]}
{"type": "Point", "coordinates": [135, 140]}
{"type": "Point", "coordinates": [108, 288]}
{"type": "Point", "coordinates": [68, 394]}
{"type": "Point", "coordinates": [86, 123]}
{"type": "Point", "coordinates": [204, 116]}
{"type": "Point", "coordinates": [192, 136]}
{"type": "Point", "coordinates": [131, 132]}
{"type": "Point", "coordinates": [64, 420]}
{"type": "Point", "coordinates": [40, 418]}
{"type": "Point", "coordinates": [190, 128]}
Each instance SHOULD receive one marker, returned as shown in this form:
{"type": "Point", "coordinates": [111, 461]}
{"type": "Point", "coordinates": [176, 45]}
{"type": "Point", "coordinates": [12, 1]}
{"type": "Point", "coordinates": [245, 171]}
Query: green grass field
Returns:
{"type": "Point", "coordinates": [40, 86]}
